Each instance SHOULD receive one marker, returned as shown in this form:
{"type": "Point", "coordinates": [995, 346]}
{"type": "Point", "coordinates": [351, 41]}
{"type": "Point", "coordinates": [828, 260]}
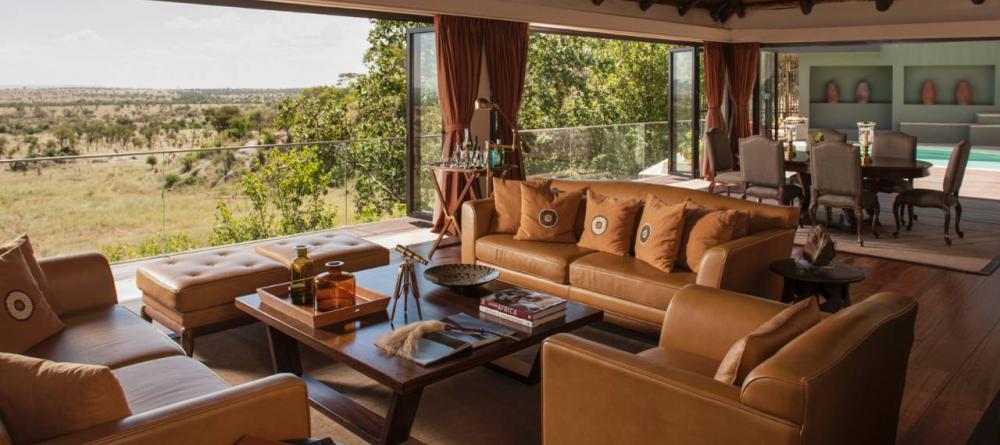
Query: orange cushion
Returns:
{"type": "Point", "coordinates": [765, 341]}
{"type": "Point", "coordinates": [28, 253]}
{"type": "Point", "coordinates": [40, 399]}
{"type": "Point", "coordinates": [659, 238]}
{"type": "Point", "coordinates": [25, 316]}
{"type": "Point", "coordinates": [507, 204]}
{"type": "Point", "coordinates": [546, 216]}
{"type": "Point", "coordinates": [609, 223]}
{"type": "Point", "coordinates": [704, 229]}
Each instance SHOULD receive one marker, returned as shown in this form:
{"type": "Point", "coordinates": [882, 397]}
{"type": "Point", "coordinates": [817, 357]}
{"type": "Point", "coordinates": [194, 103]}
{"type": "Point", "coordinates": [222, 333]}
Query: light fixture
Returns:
{"type": "Point", "coordinates": [517, 144]}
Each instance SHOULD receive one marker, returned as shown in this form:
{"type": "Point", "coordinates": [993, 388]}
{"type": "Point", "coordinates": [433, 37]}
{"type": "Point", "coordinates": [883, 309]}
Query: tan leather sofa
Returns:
{"type": "Point", "coordinates": [840, 382]}
{"type": "Point", "coordinates": [173, 399]}
{"type": "Point", "coordinates": [632, 293]}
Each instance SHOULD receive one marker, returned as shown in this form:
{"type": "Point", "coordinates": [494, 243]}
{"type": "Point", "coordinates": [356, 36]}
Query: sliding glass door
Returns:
{"type": "Point", "coordinates": [685, 128]}
{"type": "Point", "coordinates": [423, 112]}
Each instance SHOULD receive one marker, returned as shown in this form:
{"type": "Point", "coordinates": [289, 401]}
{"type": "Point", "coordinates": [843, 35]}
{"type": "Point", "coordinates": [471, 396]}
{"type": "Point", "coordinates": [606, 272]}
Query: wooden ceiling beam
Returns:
{"type": "Point", "coordinates": [598, 2]}
{"type": "Point", "coordinates": [645, 4]}
{"type": "Point", "coordinates": [883, 5]}
{"type": "Point", "coordinates": [683, 8]}
{"type": "Point", "coordinates": [978, 2]}
{"type": "Point", "coordinates": [806, 6]}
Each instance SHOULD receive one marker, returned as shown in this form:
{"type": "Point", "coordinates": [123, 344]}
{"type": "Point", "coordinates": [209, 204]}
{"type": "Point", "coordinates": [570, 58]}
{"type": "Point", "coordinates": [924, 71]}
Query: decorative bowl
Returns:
{"type": "Point", "coordinates": [461, 275]}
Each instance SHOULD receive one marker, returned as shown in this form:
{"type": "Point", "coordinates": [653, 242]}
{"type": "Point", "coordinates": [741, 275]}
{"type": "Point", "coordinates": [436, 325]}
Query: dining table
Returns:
{"type": "Point", "coordinates": [884, 168]}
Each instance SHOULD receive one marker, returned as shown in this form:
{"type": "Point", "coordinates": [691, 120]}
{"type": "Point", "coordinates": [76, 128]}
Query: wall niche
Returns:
{"type": "Point", "coordinates": [946, 78]}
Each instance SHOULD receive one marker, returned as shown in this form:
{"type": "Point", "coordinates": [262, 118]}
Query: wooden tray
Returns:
{"type": "Point", "coordinates": [368, 302]}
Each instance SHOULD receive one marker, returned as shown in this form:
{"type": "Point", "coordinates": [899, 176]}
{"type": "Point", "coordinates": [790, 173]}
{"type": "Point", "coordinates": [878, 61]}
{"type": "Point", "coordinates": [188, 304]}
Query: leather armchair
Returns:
{"type": "Point", "coordinates": [839, 382]}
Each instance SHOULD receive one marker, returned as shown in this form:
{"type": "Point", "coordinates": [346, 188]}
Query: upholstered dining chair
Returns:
{"type": "Point", "coordinates": [720, 160]}
{"type": "Point", "coordinates": [836, 184]}
{"type": "Point", "coordinates": [762, 165]}
{"type": "Point", "coordinates": [894, 144]}
{"type": "Point", "coordinates": [829, 135]}
{"type": "Point", "coordinates": [943, 199]}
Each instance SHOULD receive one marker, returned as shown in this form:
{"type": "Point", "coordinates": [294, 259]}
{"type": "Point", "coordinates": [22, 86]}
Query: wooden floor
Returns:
{"type": "Point", "coordinates": [954, 368]}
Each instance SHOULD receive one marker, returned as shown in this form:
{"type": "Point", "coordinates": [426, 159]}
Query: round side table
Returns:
{"type": "Point", "coordinates": [832, 282]}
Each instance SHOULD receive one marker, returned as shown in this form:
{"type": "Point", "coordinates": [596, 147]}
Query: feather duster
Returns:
{"type": "Point", "coordinates": [405, 340]}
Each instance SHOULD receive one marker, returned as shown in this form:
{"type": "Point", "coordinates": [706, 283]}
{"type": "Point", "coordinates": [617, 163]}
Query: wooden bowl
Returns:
{"type": "Point", "coordinates": [460, 276]}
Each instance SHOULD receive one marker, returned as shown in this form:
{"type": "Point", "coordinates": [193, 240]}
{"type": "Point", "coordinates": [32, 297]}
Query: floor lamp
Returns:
{"type": "Point", "coordinates": [517, 144]}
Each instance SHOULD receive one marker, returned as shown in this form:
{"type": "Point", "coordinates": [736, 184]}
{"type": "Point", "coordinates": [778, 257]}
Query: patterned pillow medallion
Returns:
{"type": "Point", "coordinates": [546, 216]}
{"type": "Point", "coordinates": [25, 318]}
{"type": "Point", "coordinates": [659, 238]}
{"type": "Point", "coordinates": [609, 223]}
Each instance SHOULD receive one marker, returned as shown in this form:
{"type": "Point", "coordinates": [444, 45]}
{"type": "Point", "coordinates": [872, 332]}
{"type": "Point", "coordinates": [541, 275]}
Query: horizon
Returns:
{"type": "Point", "coordinates": [155, 45]}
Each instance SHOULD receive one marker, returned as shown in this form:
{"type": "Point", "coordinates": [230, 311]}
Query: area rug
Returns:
{"type": "Point", "coordinates": [977, 253]}
{"type": "Point", "coordinates": [479, 406]}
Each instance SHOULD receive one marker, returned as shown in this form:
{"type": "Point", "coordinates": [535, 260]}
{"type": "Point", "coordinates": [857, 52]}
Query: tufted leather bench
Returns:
{"type": "Point", "coordinates": [192, 293]}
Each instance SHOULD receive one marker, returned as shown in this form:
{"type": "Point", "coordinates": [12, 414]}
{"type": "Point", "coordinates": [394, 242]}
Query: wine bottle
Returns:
{"type": "Point", "coordinates": [303, 289]}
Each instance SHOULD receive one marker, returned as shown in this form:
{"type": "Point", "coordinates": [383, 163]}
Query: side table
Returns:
{"type": "Point", "coordinates": [471, 176]}
{"type": "Point", "coordinates": [832, 282]}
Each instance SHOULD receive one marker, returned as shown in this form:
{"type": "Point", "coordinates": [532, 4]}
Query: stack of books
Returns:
{"type": "Point", "coordinates": [523, 306]}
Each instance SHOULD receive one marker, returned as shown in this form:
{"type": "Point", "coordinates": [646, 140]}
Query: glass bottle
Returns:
{"type": "Point", "coordinates": [303, 289]}
{"type": "Point", "coordinates": [335, 289]}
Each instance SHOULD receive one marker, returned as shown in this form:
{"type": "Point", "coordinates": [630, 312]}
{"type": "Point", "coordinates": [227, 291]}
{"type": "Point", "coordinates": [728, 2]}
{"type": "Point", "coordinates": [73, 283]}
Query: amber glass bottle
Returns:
{"type": "Point", "coordinates": [335, 288]}
{"type": "Point", "coordinates": [303, 289]}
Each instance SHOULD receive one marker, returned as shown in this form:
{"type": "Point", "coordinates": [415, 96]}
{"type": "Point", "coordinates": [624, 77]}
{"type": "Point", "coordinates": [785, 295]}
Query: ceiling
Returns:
{"type": "Point", "coordinates": [722, 10]}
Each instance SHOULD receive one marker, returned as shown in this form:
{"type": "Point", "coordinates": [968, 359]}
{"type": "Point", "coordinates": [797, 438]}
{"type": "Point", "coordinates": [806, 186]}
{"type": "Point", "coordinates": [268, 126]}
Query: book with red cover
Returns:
{"type": "Point", "coordinates": [523, 303]}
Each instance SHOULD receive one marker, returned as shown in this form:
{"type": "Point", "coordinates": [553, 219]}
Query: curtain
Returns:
{"type": "Point", "coordinates": [459, 54]}
{"type": "Point", "coordinates": [715, 80]}
{"type": "Point", "coordinates": [506, 45]}
{"type": "Point", "coordinates": [742, 70]}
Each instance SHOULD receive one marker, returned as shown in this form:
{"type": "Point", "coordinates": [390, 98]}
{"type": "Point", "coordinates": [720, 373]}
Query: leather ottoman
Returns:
{"type": "Point", "coordinates": [192, 293]}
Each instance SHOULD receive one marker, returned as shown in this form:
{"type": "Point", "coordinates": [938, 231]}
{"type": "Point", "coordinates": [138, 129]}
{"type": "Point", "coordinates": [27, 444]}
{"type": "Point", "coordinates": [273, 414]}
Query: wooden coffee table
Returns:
{"type": "Point", "coordinates": [353, 344]}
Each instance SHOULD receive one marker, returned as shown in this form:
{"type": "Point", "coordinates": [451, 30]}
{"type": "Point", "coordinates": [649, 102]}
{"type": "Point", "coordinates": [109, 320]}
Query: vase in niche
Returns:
{"type": "Point", "coordinates": [928, 93]}
{"type": "Point", "coordinates": [862, 92]}
{"type": "Point", "coordinates": [832, 93]}
{"type": "Point", "coordinates": [963, 92]}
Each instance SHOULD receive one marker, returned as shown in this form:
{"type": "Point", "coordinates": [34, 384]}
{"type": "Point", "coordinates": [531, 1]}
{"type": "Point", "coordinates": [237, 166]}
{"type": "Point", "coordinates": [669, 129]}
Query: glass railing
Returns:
{"type": "Point", "coordinates": [622, 151]}
{"type": "Point", "coordinates": [143, 204]}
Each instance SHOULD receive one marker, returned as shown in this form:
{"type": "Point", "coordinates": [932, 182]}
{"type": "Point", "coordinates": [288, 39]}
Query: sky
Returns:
{"type": "Point", "coordinates": [154, 44]}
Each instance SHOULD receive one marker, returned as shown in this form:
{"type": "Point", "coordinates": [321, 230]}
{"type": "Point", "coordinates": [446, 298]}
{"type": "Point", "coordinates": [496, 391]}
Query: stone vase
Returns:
{"type": "Point", "coordinates": [963, 92]}
{"type": "Point", "coordinates": [862, 92]}
{"type": "Point", "coordinates": [832, 93]}
{"type": "Point", "coordinates": [928, 93]}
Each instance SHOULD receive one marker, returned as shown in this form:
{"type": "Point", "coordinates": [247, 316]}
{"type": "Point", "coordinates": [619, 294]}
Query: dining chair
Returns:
{"type": "Point", "coordinates": [836, 183]}
{"type": "Point", "coordinates": [943, 199]}
{"type": "Point", "coordinates": [899, 145]}
{"type": "Point", "coordinates": [720, 160]}
{"type": "Point", "coordinates": [829, 135]}
{"type": "Point", "coordinates": [762, 165]}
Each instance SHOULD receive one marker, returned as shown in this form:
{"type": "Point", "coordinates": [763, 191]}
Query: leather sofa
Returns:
{"type": "Point", "coordinates": [839, 382]}
{"type": "Point", "coordinates": [632, 293]}
{"type": "Point", "coordinates": [173, 398]}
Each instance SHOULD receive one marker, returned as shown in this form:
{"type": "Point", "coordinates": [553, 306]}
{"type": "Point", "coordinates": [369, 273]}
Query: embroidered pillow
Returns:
{"type": "Point", "coordinates": [609, 223]}
{"type": "Point", "coordinates": [659, 239]}
{"type": "Point", "coordinates": [507, 204]}
{"type": "Point", "coordinates": [25, 317]}
{"type": "Point", "coordinates": [546, 216]}
{"type": "Point", "coordinates": [750, 351]}
{"type": "Point", "coordinates": [40, 399]}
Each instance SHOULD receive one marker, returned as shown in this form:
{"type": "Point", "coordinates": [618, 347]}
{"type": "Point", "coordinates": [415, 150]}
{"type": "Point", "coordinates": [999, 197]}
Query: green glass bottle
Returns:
{"type": "Point", "coordinates": [303, 288]}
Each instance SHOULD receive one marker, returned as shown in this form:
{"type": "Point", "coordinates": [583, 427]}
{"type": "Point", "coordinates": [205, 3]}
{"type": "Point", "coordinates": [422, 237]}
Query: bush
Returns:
{"type": "Point", "coordinates": [155, 245]}
{"type": "Point", "coordinates": [151, 161]}
{"type": "Point", "coordinates": [171, 180]}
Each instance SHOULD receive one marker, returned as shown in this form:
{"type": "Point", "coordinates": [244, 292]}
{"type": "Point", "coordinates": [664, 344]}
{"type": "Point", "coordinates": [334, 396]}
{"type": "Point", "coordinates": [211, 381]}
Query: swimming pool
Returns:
{"type": "Point", "coordinates": [979, 158]}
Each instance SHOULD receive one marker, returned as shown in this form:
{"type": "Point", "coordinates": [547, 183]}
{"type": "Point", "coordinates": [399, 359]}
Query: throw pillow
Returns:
{"type": "Point", "coordinates": [704, 229]}
{"type": "Point", "coordinates": [609, 223]}
{"type": "Point", "coordinates": [25, 317]}
{"type": "Point", "coordinates": [40, 399]}
{"type": "Point", "coordinates": [750, 351]}
{"type": "Point", "coordinates": [507, 204]}
{"type": "Point", "coordinates": [546, 216]}
{"type": "Point", "coordinates": [659, 238]}
{"type": "Point", "coordinates": [29, 257]}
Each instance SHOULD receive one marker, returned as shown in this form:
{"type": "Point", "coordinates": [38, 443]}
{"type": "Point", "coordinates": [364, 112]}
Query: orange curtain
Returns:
{"type": "Point", "coordinates": [742, 72]}
{"type": "Point", "coordinates": [715, 81]}
{"type": "Point", "coordinates": [506, 45]}
{"type": "Point", "coordinates": [459, 54]}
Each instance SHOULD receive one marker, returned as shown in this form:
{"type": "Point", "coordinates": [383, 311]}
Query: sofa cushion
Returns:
{"type": "Point", "coordinates": [156, 383]}
{"type": "Point", "coordinates": [28, 252]}
{"type": "Point", "coordinates": [507, 204]}
{"type": "Point", "coordinates": [200, 280]}
{"type": "Point", "coordinates": [547, 215]}
{"type": "Point", "coordinates": [627, 278]}
{"type": "Point", "coordinates": [111, 336]}
{"type": "Point", "coordinates": [546, 260]}
{"type": "Point", "coordinates": [25, 316]}
{"type": "Point", "coordinates": [609, 224]}
{"type": "Point", "coordinates": [356, 253]}
{"type": "Point", "coordinates": [763, 342]}
{"type": "Point", "coordinates": [687, 361]}
{"type": "Point", "coordinates": [40, 399]}
{"type": "Point", "coordinates": [704, 229]}
{"type": "Point", "coordinates": [660, 228]}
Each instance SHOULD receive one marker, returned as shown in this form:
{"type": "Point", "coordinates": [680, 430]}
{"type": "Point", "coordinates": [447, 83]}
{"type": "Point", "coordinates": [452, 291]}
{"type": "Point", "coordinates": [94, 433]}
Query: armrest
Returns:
{"type": "Point", "coordinates": [707, 321]}
{"type": "Point", "coordinates": [743, 265]}
{"type": "Point", "coordinates": [79, 281]}
{"type": "Point", "coordinates": [648, 403]}
{"type": "Point", "coordinates": [275, 407]}
{"type": "Point", "coordinates": [477, 220]}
